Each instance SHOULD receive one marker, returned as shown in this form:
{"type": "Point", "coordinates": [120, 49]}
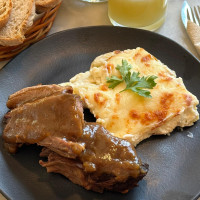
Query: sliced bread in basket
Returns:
{"type": "Point", "coordinates": [5, 9]}
{"type": "Point", "coordinates": [21, 18]}
{"type": "Point", "coordinates": [44, 5]}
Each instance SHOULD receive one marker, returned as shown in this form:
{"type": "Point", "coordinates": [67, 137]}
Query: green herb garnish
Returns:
{"type": "Point", "coordinates": [133, 81]}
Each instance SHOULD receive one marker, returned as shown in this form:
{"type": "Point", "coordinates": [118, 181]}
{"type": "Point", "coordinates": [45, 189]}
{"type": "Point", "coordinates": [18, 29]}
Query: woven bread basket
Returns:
{"type": "Point", "coordinates": [36, 32]}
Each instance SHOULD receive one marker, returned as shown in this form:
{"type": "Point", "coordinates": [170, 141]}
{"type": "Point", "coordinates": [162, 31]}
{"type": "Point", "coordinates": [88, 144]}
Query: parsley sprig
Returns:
{"type": "Point", "coordinates": [133, 81]}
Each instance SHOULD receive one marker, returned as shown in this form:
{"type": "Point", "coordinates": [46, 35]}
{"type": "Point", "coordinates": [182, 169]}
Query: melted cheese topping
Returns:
{"type": "Point", "coordinates": [126, 114]}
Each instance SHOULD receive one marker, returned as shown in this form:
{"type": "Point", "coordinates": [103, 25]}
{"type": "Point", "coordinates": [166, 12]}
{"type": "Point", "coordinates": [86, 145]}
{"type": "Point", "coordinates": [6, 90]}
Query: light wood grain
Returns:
{"type": "Point", "coordinates": [2, 197]}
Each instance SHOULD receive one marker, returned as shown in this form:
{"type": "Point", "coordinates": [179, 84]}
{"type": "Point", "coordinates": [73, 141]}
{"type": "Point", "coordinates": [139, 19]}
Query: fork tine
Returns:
{"type": "Point", "coordinates": [198, 12]}
{"type": "Point", "coordinates": [196, 15]}
{"type": "Point", "coordinates": [189, 13]}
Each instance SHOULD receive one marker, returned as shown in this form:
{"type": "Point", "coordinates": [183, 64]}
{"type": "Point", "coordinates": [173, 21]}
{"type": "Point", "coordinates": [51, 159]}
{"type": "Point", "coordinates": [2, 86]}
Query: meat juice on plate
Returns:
{"type": "Point", "coordinates": [145, 14]}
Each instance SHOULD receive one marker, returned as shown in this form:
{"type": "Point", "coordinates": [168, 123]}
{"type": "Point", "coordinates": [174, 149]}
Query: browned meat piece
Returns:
{"type": "Point", "coordinates": [107, 163]}
{"type": "Point", "coordinates": [51, 116]}
{"type": "Point", "coordinates": [32, 122]}
{"type": "Point", "coordinates": [86, 153]}
{"type": "Point", "coordinates": [12, 148]}
{"type": "Point", "coordinates": [59, 115]}
{"type": "Point", "coordinates": [63, 147]}
{"type": "Point", "coordinates": [33, 93]}
{"type": "Point", "coordinates": [73, 170]}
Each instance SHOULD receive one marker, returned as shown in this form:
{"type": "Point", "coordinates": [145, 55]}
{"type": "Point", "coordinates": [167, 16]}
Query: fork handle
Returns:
{"type": "Point", "coordinates": [193, 31]}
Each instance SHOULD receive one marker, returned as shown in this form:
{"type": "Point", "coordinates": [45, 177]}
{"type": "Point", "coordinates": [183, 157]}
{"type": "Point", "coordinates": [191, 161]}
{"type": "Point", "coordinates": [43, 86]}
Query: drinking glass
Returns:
{"type": "Point", "coordinates": [95, 1]}
{"type": "Point", "coordinates": [144, 14]}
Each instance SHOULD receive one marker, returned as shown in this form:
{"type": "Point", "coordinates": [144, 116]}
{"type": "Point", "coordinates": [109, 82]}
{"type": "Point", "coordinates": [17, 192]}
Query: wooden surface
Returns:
{"type": "Point", "coordinates": [2, 197]}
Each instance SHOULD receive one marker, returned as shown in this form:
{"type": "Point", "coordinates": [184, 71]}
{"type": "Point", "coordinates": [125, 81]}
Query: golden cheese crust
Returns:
{"type": "Point", "coordinates": [126, 114]}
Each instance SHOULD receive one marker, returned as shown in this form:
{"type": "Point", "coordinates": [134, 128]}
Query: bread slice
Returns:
{"type": "Point", "coordinates": [44, 5]}
{"type": "Point", "coordinates": [21, 18]}
{"type": "Point", "coordinates": [5, 9]}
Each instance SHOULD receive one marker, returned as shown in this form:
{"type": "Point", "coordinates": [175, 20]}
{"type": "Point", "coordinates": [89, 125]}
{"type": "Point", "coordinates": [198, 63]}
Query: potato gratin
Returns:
{"type": "Point", "coordinates": [126, 114]}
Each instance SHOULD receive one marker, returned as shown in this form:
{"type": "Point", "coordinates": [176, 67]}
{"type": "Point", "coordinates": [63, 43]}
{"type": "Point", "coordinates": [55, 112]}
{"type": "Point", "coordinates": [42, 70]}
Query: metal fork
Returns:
{"type": "Point", "coordinates": [193, 14]}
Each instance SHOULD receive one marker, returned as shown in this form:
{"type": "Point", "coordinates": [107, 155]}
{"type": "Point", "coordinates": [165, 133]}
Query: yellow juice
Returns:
{"type": "Point", "coordinates": [146, 14]}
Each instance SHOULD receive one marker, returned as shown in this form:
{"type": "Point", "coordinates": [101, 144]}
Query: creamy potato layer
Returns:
{"type": "Point", "coordinates": [126, 114]}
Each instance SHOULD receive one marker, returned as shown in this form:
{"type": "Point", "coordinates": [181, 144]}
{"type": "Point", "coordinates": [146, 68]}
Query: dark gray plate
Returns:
{"type": "Point", "coordinates": [174, 161]}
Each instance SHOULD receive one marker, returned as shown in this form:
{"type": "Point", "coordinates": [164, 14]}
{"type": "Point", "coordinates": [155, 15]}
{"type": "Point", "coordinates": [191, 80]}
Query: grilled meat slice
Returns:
{"type": "Point", "coordinates": [56, 115]}
{"type": "Point", "coordinates": [33, 93]}
{"type": "Point", "coordinates": [107, 163]}
{"type": "Point", "coordinates": [59, 115]}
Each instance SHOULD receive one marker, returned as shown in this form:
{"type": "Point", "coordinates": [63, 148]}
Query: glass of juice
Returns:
{"type": "Point", "coordinates": [95, 1]}
{"type": "Point", "coordinates": [144, 14]}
